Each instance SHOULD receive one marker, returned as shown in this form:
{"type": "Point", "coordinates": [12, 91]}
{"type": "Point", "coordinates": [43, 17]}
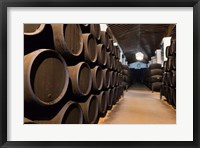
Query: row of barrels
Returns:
{"type": "Point", "coordinates": [73, 41]}
{"type": "Point", "coordinates": [78, 66]}
{"type": "Point", "coordinates": [88, 111]}
{"type": "Point", "coordinates": [169, 77]}
{"type": "Point", "coordinates": [126, 76]}
{"type": "Point", "coordinates": [153, 77]}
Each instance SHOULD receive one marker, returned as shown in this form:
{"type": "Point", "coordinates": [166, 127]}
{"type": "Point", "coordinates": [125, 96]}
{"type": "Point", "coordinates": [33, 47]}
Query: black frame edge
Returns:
{"type": "Point", "coordinates": [3, 76]}
{"type": "Point", "coordinates": [196, 72]}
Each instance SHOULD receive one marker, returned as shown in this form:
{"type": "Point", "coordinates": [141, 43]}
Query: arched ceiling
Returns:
{"type": "Point", "coordinates": [145, 38]}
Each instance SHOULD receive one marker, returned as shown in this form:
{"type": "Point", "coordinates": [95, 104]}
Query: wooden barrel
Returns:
{"type": "Point", "coordinates": [71, 113]}
{"type": "Point", "coordinates": [173, 62]}
{"type": "Point", "coordinates": [37, 36]}
{"type": "Point", "coordinates": [170, 61]}
{"type": "Point", "coordinates": [155, 78]}
{"type": "Point", "coordinates": [168, 77]}
{"type": "Point", "coordinates": [165, 66]}
{"type": "Point", "coordinates": [110, 42]}
{"type": "Point", "coordinates": [113, 52]}
{"type": "Point", "coordinates": [104, 39]}
{"type": "Point", "coordinates": [173, 78]}
{"type": "Point", "coordinates": [90, 109]}
{"type": "Point", "coordinates": [152, 72]}
{"type": "Point", "coordinates": [94, 29]}
{"type": "Point", "coordinates": [106, 78]}
{"type": "Point", "coordinates": [97, 78]}
{"type": "Point", "coordinates": [90, 45]}
{"type": "Point", "coordinates": [173, 47]}
{"type": "Point", "coordinates": [115, 78]}
{"type": "Point", "coordinates": [81, 79]}
{"type": "Point", "coordinates": [68, 39]}
{"type": "Point", "coordinates": [45, 78]}
{"type": "Point", "coordinates": [101, 52]}
{"type": "Point", "coordinates": [155, 66]}
{"type": "Point", "coordinates": [102, 98]}
{"type": "Point", "coordinates": [33, 28]}
{"type": "Point", "coordinates": [110, 98]}
{"type": "Point", "coordinates": [167, 51]}
{"type": "Point", "coordinates": [109, 62]}
{"type": "Point", "coordinates": [112, 79]}
{"type": "Point", "coordinates": [174, 97]}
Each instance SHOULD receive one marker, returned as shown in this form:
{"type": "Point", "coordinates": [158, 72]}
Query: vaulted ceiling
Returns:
{"type": "Point", "coordinates": [145, 38]}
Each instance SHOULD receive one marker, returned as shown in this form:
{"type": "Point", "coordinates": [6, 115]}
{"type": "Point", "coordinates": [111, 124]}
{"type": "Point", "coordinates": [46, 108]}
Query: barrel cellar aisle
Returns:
{"type": "Point", "coordinates": [148, 108]}
{"type": "Point", "coordinates": [99, 73]}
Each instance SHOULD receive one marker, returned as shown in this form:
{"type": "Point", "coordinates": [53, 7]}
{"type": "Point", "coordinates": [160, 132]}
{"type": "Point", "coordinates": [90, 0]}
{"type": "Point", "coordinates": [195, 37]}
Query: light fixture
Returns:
{"type": "Point", "coordinates": [139, 56]}
{"type": "Point", "coordinates": [115, 44]}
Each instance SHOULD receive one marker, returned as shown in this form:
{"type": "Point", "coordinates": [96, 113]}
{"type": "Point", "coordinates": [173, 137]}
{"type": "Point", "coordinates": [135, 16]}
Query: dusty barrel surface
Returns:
{"type": "Point", "coordinates": [81, 79]}
{"type": "Point", "coordinates": [68, 39]}
{"type": "Point", "coordinates": [37, 36]}
{"type": "Point", "coordinates": [70, 113]}
{"type": "Point", "coordinates": [45, 78]}
{"type": "Point", "coordinates": [102, 101]}
{"type": "Point", "coordinates": [97, 78]}
{"type": "Point", "coordinates": [101, 51]}
{"type": "Point", "coordinates": [90, 45]}
{"type": "Point", "coordinates": [90, 109]}
{"type": "Point", "coordinates": [94, 29]}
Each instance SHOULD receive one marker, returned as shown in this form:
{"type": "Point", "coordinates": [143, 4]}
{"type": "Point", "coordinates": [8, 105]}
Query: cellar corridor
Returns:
{"type": "Point", "coordinates": [140, 106]}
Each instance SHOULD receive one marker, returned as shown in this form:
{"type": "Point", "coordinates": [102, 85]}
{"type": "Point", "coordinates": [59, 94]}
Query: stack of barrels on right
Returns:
{"type": "Point", "coordinates": [169, 77]}
{"type": "Point", "coordinates": [154, 76]}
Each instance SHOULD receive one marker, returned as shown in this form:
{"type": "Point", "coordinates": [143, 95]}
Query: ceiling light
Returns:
{"type": "Point", "coordinates": [115, 44]}
{"type": "Point", "coordinates": [139, 56]}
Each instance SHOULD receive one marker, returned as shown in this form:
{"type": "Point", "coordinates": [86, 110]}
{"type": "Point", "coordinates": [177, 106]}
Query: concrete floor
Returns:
{"type": "Point", "coordinates": [140, 106]}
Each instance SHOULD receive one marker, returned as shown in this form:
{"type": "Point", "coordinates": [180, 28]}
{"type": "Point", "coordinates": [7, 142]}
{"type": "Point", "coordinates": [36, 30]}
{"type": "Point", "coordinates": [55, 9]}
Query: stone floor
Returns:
{"type": "Point", "coordinates": [140, 106]}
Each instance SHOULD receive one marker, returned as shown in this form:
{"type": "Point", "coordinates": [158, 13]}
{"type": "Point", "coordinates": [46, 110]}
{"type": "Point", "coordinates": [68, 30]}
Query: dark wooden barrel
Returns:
{"type": "Point", "coordinates": [90, 45]}
{"type": "Point", "coordinates": [97, 78]}
{"type": "Point", "coordinates": [90, 109]}
{"type": "Point", "coordinates": [45, 78]}
{"type": "Point", "coordinates": [37, 36]}
{"type": "Point", "coordinates": [173, 47]}
{"type": "Point", "coordinates": [106, 78]}
{"type": "Point", "coordinates": [104, 39]}
{"type": "Point", "coordinates": [101, 51]}
{"type": "Point", "coordinates": [108, 63]}
{"type": "Point", "coordinates": [155, 66]}
{"type": "Point", "coordinates": [110, 44]}
{"type": "Point", "coordinates": [102, 101]}
{"type": "Point", "coordinates": [81, 79]}
{"type": "Point", "coordinates": [94, 29]}
{"type": "Point", "coordinates": [70, 113]}
{"type": "Point", "coordinates": [68, 39]}
{"type": "Point", "coordinates": [110, 98]}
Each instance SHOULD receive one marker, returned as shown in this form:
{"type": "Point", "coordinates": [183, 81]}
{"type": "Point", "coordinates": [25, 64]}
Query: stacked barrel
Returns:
{"type": "Point", "coordinates": [126, 74]}
{"type": "Point", "coordinates": [169, 78]}
{"type": "Point", "coordinates": [72, 73]}
{"type": "Point", "coordinates": [154, 76]}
